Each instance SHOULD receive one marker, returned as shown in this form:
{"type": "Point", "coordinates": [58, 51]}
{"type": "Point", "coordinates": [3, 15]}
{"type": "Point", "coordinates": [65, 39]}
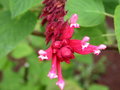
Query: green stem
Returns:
{"type": "Point", "coordinates": [109, 15]}
{"type": "Point", "coordinates": [105, 35]}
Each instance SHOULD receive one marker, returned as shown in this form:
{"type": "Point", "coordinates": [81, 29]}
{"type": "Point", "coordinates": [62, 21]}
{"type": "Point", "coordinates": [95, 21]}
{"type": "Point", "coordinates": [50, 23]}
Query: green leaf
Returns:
{"type": "Point", "coordinates": [86, 59]}
{"type": "Point", "coordinates": [117, 25]}
{"type": "Point", "coordinates": [38, 41]}
{"type": "Point", "coordinates": [3, 63]}
{"type": "Point", "coordinates": [38, 70]}
{"type": "Point", "coordinates": [110, 5]}
{"type": "Point", "coordinates": [5, 4]}
{"type": "Point", "coordinates": [72, 85]}
{"type": "Point", "coordinates": [11, 79]}
{"type": "Point", "coordinates": [29, 87]}
{"type": "Point", "coordinates": [94, 33]}
{"type": "Point", "coordinates": [90, 12]}
{"type": "Point", "coordinates": [19, 7]}
{"type": "Point", "coordinates": [69, 85]}
{"type": "Point", "coordinates": [12, 31]}
{"type": "Point", "coordinates": [22, 50]}
{"type": "Point", "coordinates": [98, 87]}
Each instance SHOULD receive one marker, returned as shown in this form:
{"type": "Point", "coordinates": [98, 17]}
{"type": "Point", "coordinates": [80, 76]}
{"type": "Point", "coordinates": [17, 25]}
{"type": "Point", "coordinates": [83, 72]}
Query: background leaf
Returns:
{"type": "Point", "coordinates": [98, 87]}
{"type": "Point", "coordinates": [22, 50]}
{"type": "Point", "coordinates": [85, 59]}
{"type": "Point", "coordinates": [110, 5]}
{"type": "Point", "coordinates": [91, 12]}
{"type": "Point", "coordinates": [94, 33]}
{"type": "Point", "coordinates": [5, 4]}
{"type": "Point", "coordinates": [8, 77]}
{"type": "Point", "coordinates": [13, 31]}
{"type": "Point", "coordinates": [69, 85]}
{"type": "Point", "coordinates": [117, 25]}
{"type": "Point", "coordinates": [21, 6]}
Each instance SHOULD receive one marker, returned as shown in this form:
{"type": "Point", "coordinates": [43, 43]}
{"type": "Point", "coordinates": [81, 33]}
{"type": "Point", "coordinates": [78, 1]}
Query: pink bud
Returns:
{"type": "Point", "coordinates": [42, 52]}
{"type": "Point", "coordinates": [102, 46]}
{"type": "Point", "coordinates": [74, 19]}
{"type": "Point", "coordinates": [86, 39]}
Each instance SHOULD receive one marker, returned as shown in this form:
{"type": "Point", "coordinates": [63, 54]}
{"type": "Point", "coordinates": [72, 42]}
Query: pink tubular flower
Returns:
{"type": "Point", "coordinates": [63, 48]}
{"type": "Point", "coordinates": [60, 81]}
{"type": "Point", "coordinates": [52, 74]}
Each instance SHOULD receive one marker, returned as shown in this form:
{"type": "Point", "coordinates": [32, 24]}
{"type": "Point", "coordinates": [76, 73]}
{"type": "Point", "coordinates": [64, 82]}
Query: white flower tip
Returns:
{"type": "Point", "coordinates": [41, 52]}
{"type": "Point", "coordinates": [61, 84]}
{"type": "Point", "coordinates": [86, 39]}
{"type": "Point", "coordinates": [52, 75]}
{"type": "Point", "coordinates": [42, 57]}
{"type": "Point", "coordinates": [102, 46]}
{"type": "Point", "coordinates": [97, 52]}
{"type": "Point", "coordinates": [85, 45]}
{"type": "Point", "coordinates": [75, 25]}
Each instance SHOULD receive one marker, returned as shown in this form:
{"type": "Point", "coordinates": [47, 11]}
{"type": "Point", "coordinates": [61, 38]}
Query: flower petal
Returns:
{"type": "Point", "coordinates": [45, 55]}
{"type": "Point", "coordinates": [76, 45]}
{"type": "Point", "coordinates": [67, 33]}
{"type": "Point", "coordinates": [52, 74]}
{"type": "Point", "coordinates": [81, 47]}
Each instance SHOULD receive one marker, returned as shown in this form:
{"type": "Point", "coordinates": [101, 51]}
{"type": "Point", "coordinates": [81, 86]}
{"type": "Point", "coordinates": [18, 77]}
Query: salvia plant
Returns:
{"type": "Point", "coordinates": [60, 32]}
{"type": "Point", "coordinates": [64, 27]}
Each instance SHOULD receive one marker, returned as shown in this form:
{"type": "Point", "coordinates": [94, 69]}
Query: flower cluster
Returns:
{"type": "Point", "coordinates": [53, 14]}
{"type": "Point", "coordinates": [62, 47]}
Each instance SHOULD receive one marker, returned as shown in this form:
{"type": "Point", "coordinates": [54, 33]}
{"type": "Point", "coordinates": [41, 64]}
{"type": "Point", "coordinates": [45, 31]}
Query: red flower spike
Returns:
{"type": "Point", "coordinates": [62, 48]}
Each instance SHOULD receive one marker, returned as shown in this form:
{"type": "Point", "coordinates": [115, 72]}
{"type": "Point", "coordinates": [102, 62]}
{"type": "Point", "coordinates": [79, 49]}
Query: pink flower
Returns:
{"type": "Point", "coordinates": [52, 74]}
{"type": "Point", "coordinates": [60, 81]}
{"type": "Point", "coordinates": [63, 48]}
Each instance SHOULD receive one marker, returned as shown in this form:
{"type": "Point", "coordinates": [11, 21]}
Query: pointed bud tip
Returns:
{"type": "Point", "coordinates": [102, 46]}
{"type": "Point", "coordinates": [41, 52]}
{"type": "Point", "coordinates": [73, 19]}
{"type": "Point", "coordinates": [75, 15]}
{"type": "Point", "coordinates": [86, 39]}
